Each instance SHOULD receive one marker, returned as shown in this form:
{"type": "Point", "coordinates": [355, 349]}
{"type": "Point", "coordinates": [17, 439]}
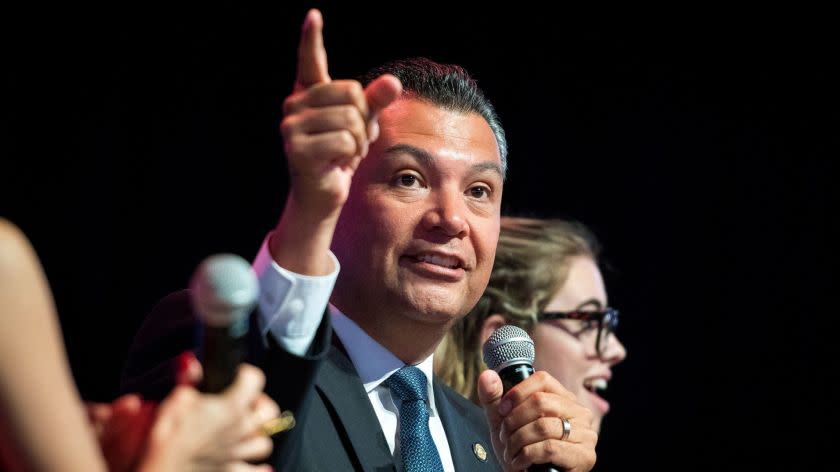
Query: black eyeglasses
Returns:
{"type": "Point", "coordinates": [601, 322]}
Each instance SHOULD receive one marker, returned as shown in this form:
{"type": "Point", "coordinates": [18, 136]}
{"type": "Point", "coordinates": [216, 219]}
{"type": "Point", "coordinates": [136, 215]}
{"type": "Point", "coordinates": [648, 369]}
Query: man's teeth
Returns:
{"type": "Point", "coordinates": [439, 260]}
{"type": "Point", "coordinates": [596, 384]}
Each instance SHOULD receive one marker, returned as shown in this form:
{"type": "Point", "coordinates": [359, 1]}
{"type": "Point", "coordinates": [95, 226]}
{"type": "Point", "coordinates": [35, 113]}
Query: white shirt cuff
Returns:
{"type": "Point", "coordinates": [291, 305]}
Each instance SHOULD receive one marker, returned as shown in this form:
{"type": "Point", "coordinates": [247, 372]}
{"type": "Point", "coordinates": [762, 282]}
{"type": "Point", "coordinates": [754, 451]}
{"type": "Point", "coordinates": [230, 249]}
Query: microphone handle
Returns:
{"type": "Point", "coordinates": [512, 375]}
{"type": "Point", "coordinates": [222, 349]}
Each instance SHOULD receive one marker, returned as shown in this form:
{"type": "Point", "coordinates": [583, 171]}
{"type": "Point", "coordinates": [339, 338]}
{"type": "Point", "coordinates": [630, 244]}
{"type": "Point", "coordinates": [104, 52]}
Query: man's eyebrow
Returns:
{"type": "Point", "coordinates": [426, 159]}
{"type": "Point", "coordinates": [420, 154]}
{"type": "Point", "coordinates": [491, 166]}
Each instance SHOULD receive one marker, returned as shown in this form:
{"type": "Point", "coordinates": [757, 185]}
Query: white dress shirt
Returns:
{"type": "Point", "coordinates": [292, 306]}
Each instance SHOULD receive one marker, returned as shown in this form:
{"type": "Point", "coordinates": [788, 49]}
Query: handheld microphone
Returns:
{"type": "Point", "coordinates": [224, 290]}
{"type": "Point", "coordinates": [510, 352]}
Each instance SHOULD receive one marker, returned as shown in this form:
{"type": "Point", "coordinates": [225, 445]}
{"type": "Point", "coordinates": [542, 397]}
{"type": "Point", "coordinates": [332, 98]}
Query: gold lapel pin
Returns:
{"type": "Point", "coordinates": [480, 452]}
{"type": "Point", "coordinates": [284, 422]}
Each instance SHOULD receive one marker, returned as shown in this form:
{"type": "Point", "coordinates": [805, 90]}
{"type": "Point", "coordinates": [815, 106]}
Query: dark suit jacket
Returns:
{"type": "Point", "coordinates": [337, 429]}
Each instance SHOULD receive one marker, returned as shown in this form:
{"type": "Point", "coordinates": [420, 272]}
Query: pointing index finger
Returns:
{"type": "Point", "coordinates": [312, 57]}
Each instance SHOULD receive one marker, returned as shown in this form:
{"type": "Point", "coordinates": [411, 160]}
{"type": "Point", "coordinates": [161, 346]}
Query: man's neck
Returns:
{"type": "Point", "coordinates": [410, 340]}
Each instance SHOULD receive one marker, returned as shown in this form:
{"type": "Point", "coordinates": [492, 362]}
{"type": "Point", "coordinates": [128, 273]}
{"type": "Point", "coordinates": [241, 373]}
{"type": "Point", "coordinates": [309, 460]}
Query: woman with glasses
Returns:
{"type": "Point", "coordinates": [546, 281]}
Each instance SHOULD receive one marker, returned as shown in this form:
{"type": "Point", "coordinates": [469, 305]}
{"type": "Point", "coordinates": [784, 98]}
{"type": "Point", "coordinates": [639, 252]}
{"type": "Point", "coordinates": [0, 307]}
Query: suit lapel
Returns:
{"type": "Point", "coordinates": [461, 434]}
{"type": "Point", "coordinates": [343, 393]}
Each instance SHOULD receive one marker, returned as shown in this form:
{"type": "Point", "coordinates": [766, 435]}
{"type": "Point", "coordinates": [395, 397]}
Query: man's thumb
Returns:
{"type": "Point", "coordinates": [490, 392]}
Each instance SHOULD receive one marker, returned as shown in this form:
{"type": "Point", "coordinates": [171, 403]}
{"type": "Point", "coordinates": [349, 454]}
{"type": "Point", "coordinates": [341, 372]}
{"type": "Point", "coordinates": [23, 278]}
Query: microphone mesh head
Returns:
{"type": "Point", "coordinates": [506, 346]}
{"type": "Point", "coordinates": [224, 289]}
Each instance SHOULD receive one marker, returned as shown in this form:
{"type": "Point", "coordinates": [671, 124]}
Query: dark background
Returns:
{"type": "Point", "coordinates": [699, 150]}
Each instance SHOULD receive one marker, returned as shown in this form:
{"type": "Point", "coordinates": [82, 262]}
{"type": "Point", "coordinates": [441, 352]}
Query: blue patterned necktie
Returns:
{"type": "Point", "coordinates": [417, 447]}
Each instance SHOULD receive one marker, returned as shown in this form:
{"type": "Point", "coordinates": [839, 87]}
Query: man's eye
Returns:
{"type": "Point", "coordinates": [407, 180]}
{"type": "Point", "coordinates": [479, 192]}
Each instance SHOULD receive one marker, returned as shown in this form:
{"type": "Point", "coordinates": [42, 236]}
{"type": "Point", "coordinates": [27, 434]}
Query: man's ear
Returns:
{"type": "Point", "coordinates": [492, 323]}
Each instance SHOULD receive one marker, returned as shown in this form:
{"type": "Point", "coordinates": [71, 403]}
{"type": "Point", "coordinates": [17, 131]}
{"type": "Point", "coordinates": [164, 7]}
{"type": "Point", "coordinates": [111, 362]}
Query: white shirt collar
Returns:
{"type": "Point", "coordinates": [373, 362]}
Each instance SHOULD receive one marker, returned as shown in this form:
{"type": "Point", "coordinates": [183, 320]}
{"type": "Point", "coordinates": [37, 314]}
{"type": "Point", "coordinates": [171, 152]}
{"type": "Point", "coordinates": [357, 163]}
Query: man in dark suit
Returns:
{"type": "Point", "coordinates": [415, 235]}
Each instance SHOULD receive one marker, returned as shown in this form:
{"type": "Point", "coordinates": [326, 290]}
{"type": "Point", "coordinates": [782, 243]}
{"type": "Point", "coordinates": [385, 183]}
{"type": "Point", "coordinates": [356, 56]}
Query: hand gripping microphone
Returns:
{"type": "Point", "coordinates": [510, 352]}
{"type": "Point", "coordinates": [224, 290]}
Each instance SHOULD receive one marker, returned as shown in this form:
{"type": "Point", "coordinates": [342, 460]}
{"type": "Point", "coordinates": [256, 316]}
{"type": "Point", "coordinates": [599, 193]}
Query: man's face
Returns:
{"type": "Point", "coordinates": [417, 236]}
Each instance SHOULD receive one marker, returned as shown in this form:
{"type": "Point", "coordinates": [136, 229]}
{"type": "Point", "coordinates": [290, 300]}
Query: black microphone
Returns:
{"type": "Point", "coordinates": [224, 290]}
{"type": "Point", "coordinates": [510, 352]}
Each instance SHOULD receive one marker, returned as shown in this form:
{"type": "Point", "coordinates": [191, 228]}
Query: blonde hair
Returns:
{"type": "Point", "coordinates": [532, 263]}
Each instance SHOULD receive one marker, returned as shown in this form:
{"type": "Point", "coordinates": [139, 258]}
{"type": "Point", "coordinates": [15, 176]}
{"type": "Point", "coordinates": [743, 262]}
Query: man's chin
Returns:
{"type": "Point", "coordinates": [434, 302]}
{"type": "Point", "coordinates": [437, 313]}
